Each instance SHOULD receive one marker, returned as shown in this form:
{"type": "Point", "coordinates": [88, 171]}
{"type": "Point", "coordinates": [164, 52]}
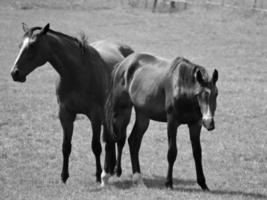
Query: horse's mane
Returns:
{"type": "Point", "coordinates": [187, 70]}
{"type": "Point", "coordinates": [82, 41]}
{"type": "Point", "coordinates": [184, 73]}
{"type": "Point", "coordinates": [31, 31]}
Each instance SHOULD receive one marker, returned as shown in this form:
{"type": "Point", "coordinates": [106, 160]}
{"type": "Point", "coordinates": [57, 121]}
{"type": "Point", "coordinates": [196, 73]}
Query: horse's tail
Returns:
{"type": "Point", "coordinates": [126, 50]}
{"type": "Point", "coordinates": [109, 110]}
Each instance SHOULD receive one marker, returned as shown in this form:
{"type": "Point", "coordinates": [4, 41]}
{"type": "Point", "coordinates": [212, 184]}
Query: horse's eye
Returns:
{"type": "Point", "coordinates": [206, 95]}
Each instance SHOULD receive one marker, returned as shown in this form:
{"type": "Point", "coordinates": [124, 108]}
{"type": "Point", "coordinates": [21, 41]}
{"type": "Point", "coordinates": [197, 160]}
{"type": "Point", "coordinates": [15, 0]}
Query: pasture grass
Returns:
{"type": "Point", "coordinates": [234, 155]}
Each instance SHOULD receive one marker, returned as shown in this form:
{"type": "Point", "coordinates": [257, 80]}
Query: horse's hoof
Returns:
{"type": "Point", "coordinates": [104, 178]}
{"type": "Point", "coordinates": [112, 173]}
{"type": "Point", "coordinates": [169, 185]}
{"type": "Point", "coordinates": [98, 177]}
{"type": "Point", "coordinates": [103, 184]}
{"type": "Point", "coordinates": [204, 187]}
{"type": "Point", "coordinates": [64, 177]}
{"type": "Point", "coordinates": [137, 179]}
{"type": "Point", "coordinates": [118, 171]}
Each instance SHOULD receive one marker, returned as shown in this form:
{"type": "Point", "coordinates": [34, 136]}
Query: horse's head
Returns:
{"type": "Point", "coordinates": [207, 97]}
{"type": "Point", "coordinates": [33, 53]}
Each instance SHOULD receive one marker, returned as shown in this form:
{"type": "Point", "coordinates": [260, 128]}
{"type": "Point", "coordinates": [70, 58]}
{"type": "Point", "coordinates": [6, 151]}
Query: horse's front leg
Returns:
{"type": "Point", "coordinates": [96, 147]}
{"type": "Point", "coordinates": [122, 121]}
{"type": "Point", "coordinates": [66, 118]}
{"type": "Point", "coordinates": [172, 151]}
{"type": "Point", "coordinates": [194, 130]}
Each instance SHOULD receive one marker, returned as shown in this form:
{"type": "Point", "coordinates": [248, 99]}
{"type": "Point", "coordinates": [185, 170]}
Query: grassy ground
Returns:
{"type": "Point", "coordinates": [234, 155]}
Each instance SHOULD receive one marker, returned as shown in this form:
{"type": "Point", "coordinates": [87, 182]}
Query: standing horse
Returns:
{"type": "Point", "coordinates": [82, 87]}
{"type": "Point", "coordinates": [177, 92]}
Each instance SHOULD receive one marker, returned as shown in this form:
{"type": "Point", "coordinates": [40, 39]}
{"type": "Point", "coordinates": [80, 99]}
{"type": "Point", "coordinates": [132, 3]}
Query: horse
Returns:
{"type": "Point", "coordinates": [174, 91]}
{"type": "Point", "coordinates": [84, 72]}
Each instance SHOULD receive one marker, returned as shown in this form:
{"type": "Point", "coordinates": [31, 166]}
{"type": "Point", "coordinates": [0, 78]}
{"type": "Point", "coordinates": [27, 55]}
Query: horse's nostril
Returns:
{"type": "Point", "coordinates": [17, 76]}
{"type": "Point", "coordinates": [15, 73]}
{"type": "Point", "coordinates": [209, 124]}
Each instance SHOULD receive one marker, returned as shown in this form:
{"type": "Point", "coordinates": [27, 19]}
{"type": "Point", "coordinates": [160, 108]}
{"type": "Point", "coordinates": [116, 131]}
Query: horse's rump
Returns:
{"type": "Point", "coordinates": [110, 51]}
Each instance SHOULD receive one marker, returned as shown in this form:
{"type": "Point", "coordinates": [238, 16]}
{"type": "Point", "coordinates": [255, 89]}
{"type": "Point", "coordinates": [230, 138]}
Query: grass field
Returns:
{"type": "Point", "coordinates": [234, 155]}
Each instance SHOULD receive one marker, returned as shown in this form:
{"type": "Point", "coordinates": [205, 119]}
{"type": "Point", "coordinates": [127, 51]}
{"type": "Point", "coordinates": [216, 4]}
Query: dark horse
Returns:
{"type": "Point", "coordinates": [82, 88]}
{"type": "Point", "coordinates": [177, 92]}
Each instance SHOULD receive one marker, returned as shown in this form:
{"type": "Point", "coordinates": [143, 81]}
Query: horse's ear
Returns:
{"type": "Point", "coordinates": [25, 27]}
{"type": "Point", "coordinates": [44, 29]}
{"type": "Point", "coordinates": [215, 76]}
{"type": "Point", "coordinates": [199, 78]}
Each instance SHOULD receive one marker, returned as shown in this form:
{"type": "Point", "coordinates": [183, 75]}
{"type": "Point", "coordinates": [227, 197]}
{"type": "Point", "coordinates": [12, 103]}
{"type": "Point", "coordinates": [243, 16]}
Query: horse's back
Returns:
{"type": "Point", "coordinates": [143, 65]}
{"type": "Point", "coordinates": [112, 52]}
{"type": "Point", "coordinates": [148, 60]}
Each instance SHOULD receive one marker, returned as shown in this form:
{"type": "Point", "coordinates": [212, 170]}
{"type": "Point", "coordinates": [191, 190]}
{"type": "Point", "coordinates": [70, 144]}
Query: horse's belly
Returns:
{"type": "Point", "coordinates": [153, 106]}
{"type": "Point", "coordinates": [79, 103]}
{"type": "Point", "coordinates": [152, 113]}
{"type": "Point", "coordinates": [160, 117]}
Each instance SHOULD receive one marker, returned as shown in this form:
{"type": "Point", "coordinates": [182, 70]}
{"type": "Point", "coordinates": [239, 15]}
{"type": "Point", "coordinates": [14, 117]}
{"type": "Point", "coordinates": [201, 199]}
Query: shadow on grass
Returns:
{"type": "Point", "coordinates": [181, 185]}
{"type": "Point", "coordinates": [154, 182]}
{"type": "Point", "coordinates": [224, 192]}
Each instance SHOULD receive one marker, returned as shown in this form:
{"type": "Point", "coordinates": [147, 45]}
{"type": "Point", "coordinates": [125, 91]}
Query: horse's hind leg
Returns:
{"type": "Point", "coordinates": [122, 122]}
{"type": "Point", "coordinates": [96, 147]}
{"type": "Point", "coordinates": [135, 139]}
{"type": "Point", "coordinates": [194, 130]}
{"type": "Point", "coordinates": [120, 145]}
{"type": "Point", "coordinates": [66, 118]}
{"type": "Point", "coordinates": [110, 158]}
{"type": "Point", "coordinates": [172, 151]}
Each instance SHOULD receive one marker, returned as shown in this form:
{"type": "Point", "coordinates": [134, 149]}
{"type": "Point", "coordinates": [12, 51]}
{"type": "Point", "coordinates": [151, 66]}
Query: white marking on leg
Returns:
{"type": "Point", "coordinates": [104, 178]}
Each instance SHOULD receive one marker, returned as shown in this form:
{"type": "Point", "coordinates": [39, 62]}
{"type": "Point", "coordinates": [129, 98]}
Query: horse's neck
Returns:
{"type": "Point", "coordinates": [85, 67]}
{"type": "Point", "coordinates": [63, 54]}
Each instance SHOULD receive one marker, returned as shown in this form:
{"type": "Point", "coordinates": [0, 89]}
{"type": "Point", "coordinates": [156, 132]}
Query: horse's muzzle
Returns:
{"type": "Point", "coordinates": [16, 75]}
{"type": "Point", "coordinates": [209, 124]}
